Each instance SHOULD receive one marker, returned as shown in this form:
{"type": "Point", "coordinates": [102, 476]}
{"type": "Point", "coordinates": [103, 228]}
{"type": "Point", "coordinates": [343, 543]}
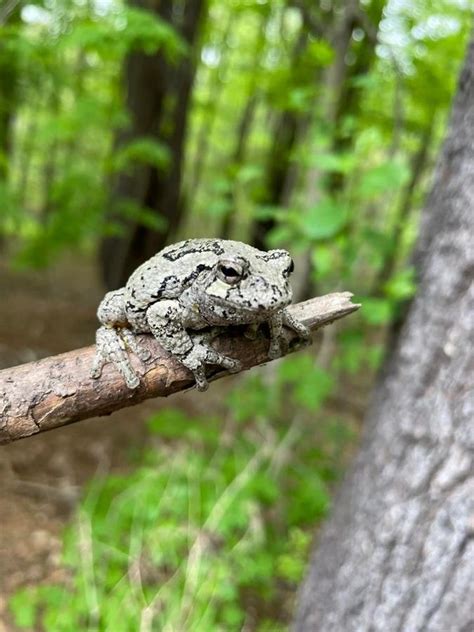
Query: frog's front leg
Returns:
{"type": "Point", "coordinates": [165, 320]}
{"type": "Point", "coordinates": [277, 340]}
{"type": "Point", "coordinates": [276, 335]}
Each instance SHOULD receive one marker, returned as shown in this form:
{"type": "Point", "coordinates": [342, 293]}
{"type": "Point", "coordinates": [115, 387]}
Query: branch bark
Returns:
{"type": "Point", "coordinates": [58, 390]}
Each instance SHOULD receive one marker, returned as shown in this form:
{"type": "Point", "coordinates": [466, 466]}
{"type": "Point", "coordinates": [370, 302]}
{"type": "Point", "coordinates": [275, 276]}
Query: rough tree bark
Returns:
{"type": "Point", "coordinates": [398, 552]}
{"type": "Point", "coordinates": [56, 391]}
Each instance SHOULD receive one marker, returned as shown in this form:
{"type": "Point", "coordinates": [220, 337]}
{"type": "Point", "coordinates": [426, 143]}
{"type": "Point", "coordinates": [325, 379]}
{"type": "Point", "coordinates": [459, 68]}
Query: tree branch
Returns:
{"type": "Point", "coordinates": [57, 391]}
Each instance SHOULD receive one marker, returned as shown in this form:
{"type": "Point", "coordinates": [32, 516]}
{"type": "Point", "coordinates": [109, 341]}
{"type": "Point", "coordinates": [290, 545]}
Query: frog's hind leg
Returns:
{"type": "Point", "coordinates": [113, 339]}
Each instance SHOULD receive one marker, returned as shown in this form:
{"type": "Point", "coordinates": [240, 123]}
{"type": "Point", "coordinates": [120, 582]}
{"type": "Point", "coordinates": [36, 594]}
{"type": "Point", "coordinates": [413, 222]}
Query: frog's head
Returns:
{"type": "Point", "coordinates": [252, 281]}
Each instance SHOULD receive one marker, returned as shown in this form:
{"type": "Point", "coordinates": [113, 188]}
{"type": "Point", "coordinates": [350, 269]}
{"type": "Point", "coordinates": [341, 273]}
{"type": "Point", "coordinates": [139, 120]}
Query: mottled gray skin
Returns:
{"type": "Point", "coordinates": [190, 286]}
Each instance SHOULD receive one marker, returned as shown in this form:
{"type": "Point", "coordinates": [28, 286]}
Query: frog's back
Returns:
{"type": "Point", "coordinates": [170, 271]}
{"type": "Point", "coordinates": [188, 254]}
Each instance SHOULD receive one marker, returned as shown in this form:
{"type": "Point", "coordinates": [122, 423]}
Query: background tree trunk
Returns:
{"type": "Point", "coordinates": [9, 88]}
{"type": "Point", "coordinates": [216, 85]}
{"type": "Point", "coordinates": [158, 94]}
{"type": "Point", "coordinates": [398, 551]}
{"type": "Point", "coordinates": [276, 186]}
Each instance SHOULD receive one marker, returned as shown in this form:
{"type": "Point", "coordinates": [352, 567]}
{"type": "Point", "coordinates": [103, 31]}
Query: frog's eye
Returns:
{"type": "Point", "coordinates": [230, 272]}
{"type": "Point", "coordinates": [290, 268]}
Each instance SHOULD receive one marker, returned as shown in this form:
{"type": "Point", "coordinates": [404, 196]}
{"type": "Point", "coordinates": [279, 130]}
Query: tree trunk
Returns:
{"type": "Point", "coordinates": [344, 94]}
{"type": "Point", "coordinates": [49, 167]}
{"type": "Point", "coordinates": [9, 87]}
{"type": "Point", "coordinates": [158, 94]}
{"type": "Point", "coordinates": [398, 551]}
{"type": "Point", "coordinates": [278, 164]}
{"type": "Point", "coordinates": [244, 127]}
{"type": "Point", "coordinates": [243, 131]}
{"type": "Point", "coordinates": [216, 85]}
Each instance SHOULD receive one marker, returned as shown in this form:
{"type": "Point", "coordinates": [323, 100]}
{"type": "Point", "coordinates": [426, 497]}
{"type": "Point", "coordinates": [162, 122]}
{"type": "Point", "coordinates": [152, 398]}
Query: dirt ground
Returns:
{"type": "Point", "coordinates": [41, 314]}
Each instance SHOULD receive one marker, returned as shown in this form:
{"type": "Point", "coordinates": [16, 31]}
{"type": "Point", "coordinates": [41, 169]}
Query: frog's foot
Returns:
{"type": "Point", "coordinates": [111, 346]}
{"type": "Point", "coordinates": [200, 355]}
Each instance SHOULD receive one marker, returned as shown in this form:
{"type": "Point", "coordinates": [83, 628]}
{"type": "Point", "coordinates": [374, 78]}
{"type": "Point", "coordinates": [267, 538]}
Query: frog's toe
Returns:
{"type": "Point", "coordinates": [98, 365]}
{"type": "Point", "coordinates": [132, 380]}
{"type": "Point", "coordinates": [231, 364]}
{"type": "Point", "coordinates": [274, 350]}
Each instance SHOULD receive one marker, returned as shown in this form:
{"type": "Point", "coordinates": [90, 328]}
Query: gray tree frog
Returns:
{"type": "Point", "coordinates": [189, 286]}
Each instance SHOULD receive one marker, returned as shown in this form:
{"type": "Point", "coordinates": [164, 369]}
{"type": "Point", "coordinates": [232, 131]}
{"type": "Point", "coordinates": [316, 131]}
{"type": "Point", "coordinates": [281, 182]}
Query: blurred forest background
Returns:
{"type": "Point", "coordinates": [312, 126]}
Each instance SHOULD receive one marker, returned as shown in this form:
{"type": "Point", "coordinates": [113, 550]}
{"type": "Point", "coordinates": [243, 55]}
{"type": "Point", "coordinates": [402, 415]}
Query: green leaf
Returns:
{"type": "Point", "coordinates": [319, 52]}
{"type": "Point", "coordinates": [222, 185]}
{"type": "Point", "coordinates": [312, 385]}
{"type": "Point", "coordinates": [314, 388]}
{"type": "Point", "coordinates": [170, 423]}
{"type": "Point", "coordinates": [291, 369]}
{"type": "Point", "coordinates": [145, 216]}
{"type": "Point", "coordinates": [324, 220]}
{"type": "Point", "coordinates": [375, 311]}
{"type": "Point", "coordinates": [322, 258]}
{"type": "Point", "coordinates": [24, 605]}
{"type": "Point", "coordinates": [381, 179]}
{"type": "Point", "coordinates": [310, 501]}
{"type": "Point", "coordinates": [233, 616]}
{"type": "Point", "coordinates": [379, 240]}
{"type": "Point", "coordinates": [145, 31]}
{"type": "Point", "coordinates": [299, 99]}
{"type": "Point", "coordinates": [279, 235]}
{"type": "Point", "coordinates": [249, 173]}
{"type": "Point", "coordinates": [258, 400]}
{"type": "Point", "coordinates": [143, 150]}
{"type": "Point", "coordinates": [335, 163]}
{"type": "Point", "coordinates": [402, 285]}
{"type": "Point", "coordinates": [265, 212]}
{"type": "Point", "coordinates": [219, 207]}
{"type": "Point", "coordinates": [352, 350]}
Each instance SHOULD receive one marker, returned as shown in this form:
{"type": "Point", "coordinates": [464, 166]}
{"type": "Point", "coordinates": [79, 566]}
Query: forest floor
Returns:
{"type": "Point", "coordinates": [43, 313]}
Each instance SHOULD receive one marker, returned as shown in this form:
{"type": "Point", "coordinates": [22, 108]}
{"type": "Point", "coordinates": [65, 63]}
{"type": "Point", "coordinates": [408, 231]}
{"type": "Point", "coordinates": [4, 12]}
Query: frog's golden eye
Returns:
{"type": "Point", "coordinates": [230, 272]}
